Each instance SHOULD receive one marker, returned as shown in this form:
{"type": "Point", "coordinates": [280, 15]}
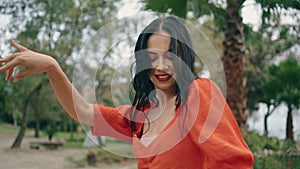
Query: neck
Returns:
{"type": "Point", "coordinates": [165, 96]}
{"type": "Point", "coordinates": [165, 108]}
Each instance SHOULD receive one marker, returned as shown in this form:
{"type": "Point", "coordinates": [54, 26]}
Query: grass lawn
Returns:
{"type": "Point", "coordinates": [8, 128]}
{"type": "Point", "coordinates": [109, 154]}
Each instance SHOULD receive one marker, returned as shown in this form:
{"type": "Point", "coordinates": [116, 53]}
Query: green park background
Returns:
{"type": "Point", "coordinates": [261, 64]}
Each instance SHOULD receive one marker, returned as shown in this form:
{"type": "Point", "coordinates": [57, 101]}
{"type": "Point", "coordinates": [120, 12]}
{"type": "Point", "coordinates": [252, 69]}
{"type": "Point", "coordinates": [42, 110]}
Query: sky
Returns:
{"type": "Point", "coordinates": [4, 20]}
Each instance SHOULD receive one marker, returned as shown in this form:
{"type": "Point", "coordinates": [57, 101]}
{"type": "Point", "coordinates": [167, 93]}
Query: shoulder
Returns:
{"type": "Point", "coordinates": [205, 96]}
{"type": "Point", "coordinates": [203, 82]}
{"type": "Point", "coordinates": [201, 86]}
{"type": "Point", "coordinates": [199, 97]}
{"type": "Point", "coordinates": [206, 86]}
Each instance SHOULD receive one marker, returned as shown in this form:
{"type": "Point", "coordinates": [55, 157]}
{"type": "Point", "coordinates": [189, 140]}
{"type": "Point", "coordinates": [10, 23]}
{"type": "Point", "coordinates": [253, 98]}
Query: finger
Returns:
{"type": "Point", "coordinates": [9, 58]}
{"type": "Point", "coordinates": [18, 46]}
{"type": "Point", "coordinates": [9, 74]}
{"type": "Point", "coordinates": [22, 74]}
{"type": "Point", "coordinates": [9, 65]}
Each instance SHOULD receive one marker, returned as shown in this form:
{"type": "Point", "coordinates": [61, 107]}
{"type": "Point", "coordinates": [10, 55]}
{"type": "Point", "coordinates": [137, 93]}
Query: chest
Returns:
{"type": "Point", "coordinates": [185, 155]}
{"type": "Point", "coordinates": [159, 120]}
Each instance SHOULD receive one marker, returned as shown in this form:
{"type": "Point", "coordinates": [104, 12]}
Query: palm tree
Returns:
{"type": "Point", "coordinates": [234, 60]}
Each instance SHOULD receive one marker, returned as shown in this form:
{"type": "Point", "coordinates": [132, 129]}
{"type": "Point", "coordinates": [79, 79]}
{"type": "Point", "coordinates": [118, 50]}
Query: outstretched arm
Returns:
{"type": "Point", "coordinates": [35, 63]}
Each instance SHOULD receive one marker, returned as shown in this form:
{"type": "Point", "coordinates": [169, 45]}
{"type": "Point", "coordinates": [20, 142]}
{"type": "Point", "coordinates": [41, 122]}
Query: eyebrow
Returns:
{"type": "Point", "coordinates": [152, 52]}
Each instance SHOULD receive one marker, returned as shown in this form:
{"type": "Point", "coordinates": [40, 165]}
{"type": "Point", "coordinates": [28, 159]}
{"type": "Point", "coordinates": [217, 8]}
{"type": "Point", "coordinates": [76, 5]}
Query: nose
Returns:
{"type": "Point", "coordinates": [162, 64]}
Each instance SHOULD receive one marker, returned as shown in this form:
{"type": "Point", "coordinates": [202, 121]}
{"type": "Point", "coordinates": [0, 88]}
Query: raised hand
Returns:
{"type": "Point", "coordinates": [34, 63]}
{"type": "Point", "coordinates": [31, 61]}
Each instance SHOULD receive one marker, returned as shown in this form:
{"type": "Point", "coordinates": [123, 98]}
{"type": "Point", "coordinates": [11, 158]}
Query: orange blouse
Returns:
{"type": "Point", "coordinates": [203, 134]}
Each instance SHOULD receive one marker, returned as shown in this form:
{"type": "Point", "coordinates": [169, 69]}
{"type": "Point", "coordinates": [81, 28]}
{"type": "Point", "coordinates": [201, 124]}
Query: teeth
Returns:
{"type": "Point", "coordinates": [164, 76]}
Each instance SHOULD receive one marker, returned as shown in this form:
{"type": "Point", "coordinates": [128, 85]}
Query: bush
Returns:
{"type": "Point", "coordinates": [272, 153]}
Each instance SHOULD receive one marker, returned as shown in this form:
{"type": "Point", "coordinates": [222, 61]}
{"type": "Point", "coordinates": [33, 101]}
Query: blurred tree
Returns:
{"type": "Point", "coordinates": [24, 109]}
{"type": "Point", "coordinates": [43, 110]}
{"type": "Point", "coordinates": [56, 28]}
{"type": "Point", "coordinates": [283, 80]}
{"type": "Point", "coordinates": [270, 98]}
{"type": "Point", "coordinates": [3, 94]}
{"type": "Point", "coordinates": [271, 40]}
{"type": "Point", "coordinates": [260, 56]}
{"type": "Point", "coordinates": [282, 84]}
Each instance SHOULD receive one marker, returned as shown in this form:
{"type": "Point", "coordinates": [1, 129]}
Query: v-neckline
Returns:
{"type": "Point", "coordinates": [169, 137]}
{"type": "Point", "coordinates": [155, 138]}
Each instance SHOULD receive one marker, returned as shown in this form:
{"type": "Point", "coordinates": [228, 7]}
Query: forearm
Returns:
{"type": "Point", "coordinates": [71, 100]}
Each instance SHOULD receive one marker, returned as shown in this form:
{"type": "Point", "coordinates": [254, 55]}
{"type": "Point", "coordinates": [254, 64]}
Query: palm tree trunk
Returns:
{"type": "Point", "coordinates": [289, 124]}
{"type": "Point", "coordinates": [234, 61]}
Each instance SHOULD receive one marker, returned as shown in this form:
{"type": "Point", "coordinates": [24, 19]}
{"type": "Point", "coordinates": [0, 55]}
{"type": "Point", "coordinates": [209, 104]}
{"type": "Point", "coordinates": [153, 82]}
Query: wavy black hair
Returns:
{"type": "Point", "coordinates": [180, 45]}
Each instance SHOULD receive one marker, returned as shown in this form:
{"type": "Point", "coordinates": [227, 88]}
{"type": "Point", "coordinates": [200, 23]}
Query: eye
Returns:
{"type": "Point", "coordinates": [152, 56]}
{"type": "Point", "coordinates": [170, 55]}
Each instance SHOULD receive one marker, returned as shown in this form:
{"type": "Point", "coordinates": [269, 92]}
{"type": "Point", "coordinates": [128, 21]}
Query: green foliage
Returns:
{"type": "Point", "coordinates": [178, 8]}
{"type": "Point", "coordinates": [17, 115]}
{"type": "Point", "coordinates": [273, 153]}
{"type": "Point", "coordinates": [284, 78]}
{"type": "Point", "coordinates": [7, 128]}
{"type": "Point", "coordinates": [258, 143]}
{"type": "Point", "coordinates": [260, 55]}
{"type": "Point", "coordinates": [281, 84]}
{"type": "Point", "coordinates": [4, 107]}
{"type": "Point", "coordinates": [55, 28]}
{"type": "Point", "coordinates": [272, 162]}
{"type": "Point", "coordinates": [50, 131]}
{"type": "Point", "coordinates": [183, 7]}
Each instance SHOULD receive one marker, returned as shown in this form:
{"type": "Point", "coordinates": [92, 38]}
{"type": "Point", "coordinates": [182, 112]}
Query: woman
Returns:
{"type": "Point", "coordinates": [176, 120]}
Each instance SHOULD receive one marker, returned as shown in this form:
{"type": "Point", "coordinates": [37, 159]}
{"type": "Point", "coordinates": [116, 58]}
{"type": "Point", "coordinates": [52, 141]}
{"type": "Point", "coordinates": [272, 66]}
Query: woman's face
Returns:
{"type": "Point", "coordinates": [163, 75]}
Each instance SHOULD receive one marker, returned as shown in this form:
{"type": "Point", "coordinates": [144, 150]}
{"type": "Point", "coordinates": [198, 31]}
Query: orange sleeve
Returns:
{"type": "Point", "coordinates": [216, 132]}
{"type": "Point", "coordinates": [112, 122]}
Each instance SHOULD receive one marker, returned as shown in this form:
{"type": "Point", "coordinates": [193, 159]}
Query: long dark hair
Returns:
{"type": "Point", "coordinates": [180, 44]}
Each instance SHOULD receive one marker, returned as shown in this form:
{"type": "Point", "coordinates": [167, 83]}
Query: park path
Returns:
{"type": "Point", "coordinates": [26, 158]}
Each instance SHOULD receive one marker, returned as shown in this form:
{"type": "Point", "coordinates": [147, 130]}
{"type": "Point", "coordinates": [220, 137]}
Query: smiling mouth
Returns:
{"type": "Point", "coordinates": [163, 77]}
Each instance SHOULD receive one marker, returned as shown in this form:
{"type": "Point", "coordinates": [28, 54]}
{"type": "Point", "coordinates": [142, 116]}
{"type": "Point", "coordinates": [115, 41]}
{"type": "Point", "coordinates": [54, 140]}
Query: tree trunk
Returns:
{"type": "Point", "coordinates": [289, 133]}
{"type": "Point", "coordinates": [266, 131]}
{"type": "Point", "coordinates": [14, 116]}
{"type": "Point", "coordinates": [19, 138]}
{"type": "Point", "coordinates": [289, 124]}
{"type": "Point", "coordinates": [37, 123]}
{"type": "Point", "coordinates": [234, 61]}
{"type": "Point", "coordinates": [71, 129]}
{"type": "Point", "coordinates": [269, 112]}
